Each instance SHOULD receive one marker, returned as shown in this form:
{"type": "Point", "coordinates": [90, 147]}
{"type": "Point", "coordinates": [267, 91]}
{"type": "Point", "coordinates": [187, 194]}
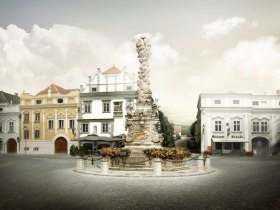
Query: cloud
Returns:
{"type": "Point", "coordinates": [221, 27]}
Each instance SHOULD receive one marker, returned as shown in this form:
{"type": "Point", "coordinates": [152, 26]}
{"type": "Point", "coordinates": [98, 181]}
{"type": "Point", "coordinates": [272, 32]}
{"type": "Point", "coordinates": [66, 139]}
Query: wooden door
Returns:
{"type": "Point", "coordinates": [61, 145]}
{"type": "Point", "coordinates": [12, 146]}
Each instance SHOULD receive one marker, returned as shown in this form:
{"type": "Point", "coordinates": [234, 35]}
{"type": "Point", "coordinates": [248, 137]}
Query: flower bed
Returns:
{"type": "Point", "coordinates": [207, 153]}
{"type": "Point", "coordinates": [249, 153]}
{"type": "Point", "coordinates": [167, 153]}
{"type": "Point", "coordinates": [115, 152]}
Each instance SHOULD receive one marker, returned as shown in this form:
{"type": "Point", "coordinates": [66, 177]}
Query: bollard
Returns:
{"type": "Point", "coordinates": [79, 164]}
{"type": "Point", "coordinates": [200, 163]}
{"type": "Point", "coordinates": [156, 167]}
{"type": "Point", "coordinates": [207, 163]}
{"type": "Point", "coordinates": [104, 166]}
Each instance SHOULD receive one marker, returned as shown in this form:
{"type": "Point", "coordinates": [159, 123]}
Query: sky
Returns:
{"type": "Point", "coordinates": [213, 46]}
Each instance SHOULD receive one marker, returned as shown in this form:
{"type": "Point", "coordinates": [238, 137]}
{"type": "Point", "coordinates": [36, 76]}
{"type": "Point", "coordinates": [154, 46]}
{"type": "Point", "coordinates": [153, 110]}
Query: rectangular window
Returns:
{"type": "Point", "coordinates": [106, 106]}
{"type": "Point", "coordinates": [256, 126]}
{"type": "Point", "coordinates": [128, 88]}
{"type": "Point", "coordinates": [37, 117]}
{"type": "Point", "coordinates": [236, 125]}
{"type": "Point", "coordinates": [85, 128]}
{"type": "Point", "coordinates": [37, 134]}
{"type": "Point", "coordinates": [218, 126]}
{"type": "Point", "coordinates": [71, 123]}
{"type": "Point", "coordinates": [217, 101]}
{"type": "Point", "coordinates": [26, 148]}
{"type": "Point", "coordinates": [1, 127]}
{"type": "Point", "coordinates": [118, 106]}
{"type": "Point", "coordinates": [255, 103]}
{"type": "Point", "coordinates": [60, 124]}
{"type": "Point", "coordinates": [36, 148]}
{"type": "Point", "coordinates": [264, 126]}
{"type": "Point", "coordinates": [105, 128]}
{"type": "Point", "coordinates": [26, 117]}
{"type": "Point", "coordinates": [235, 101]}
{"type": "Point", "coordinates": [50, 124]}
{"type": "Point", "coordinates": [87, 107]}
{"type": "Point", "coordinates": [11, 127]}
{"type": "Point", "coordinates": [26, 134]}
{"type": "Point", "coordinates": [94, 89]}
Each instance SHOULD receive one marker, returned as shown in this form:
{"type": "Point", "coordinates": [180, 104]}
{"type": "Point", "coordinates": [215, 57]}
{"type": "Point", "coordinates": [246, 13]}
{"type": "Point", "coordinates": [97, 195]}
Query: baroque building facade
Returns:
{"type": "Point", "coordinates": [103, 102]}
{"type": "Point", "coordinates": [238, 122]}
{"type": "Point", "coordinates": [9, 123]}
{"type": "Point", "coordinates": [48, 120]}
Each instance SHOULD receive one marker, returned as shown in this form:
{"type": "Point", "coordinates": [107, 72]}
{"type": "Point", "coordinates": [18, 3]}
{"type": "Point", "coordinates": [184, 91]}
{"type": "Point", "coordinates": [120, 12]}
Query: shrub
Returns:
{"type": "Point", "coordinates": [73, 150]}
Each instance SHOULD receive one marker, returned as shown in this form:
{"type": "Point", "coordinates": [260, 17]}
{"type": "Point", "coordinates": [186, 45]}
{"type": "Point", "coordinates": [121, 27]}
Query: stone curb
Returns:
{"type": "Point", "coordinates": [147, 175]}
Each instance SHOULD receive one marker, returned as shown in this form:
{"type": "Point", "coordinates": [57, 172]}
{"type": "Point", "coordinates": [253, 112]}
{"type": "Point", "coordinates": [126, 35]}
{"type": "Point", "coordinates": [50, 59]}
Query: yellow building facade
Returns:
{"type": "Point", "coordinates": [48, 120]}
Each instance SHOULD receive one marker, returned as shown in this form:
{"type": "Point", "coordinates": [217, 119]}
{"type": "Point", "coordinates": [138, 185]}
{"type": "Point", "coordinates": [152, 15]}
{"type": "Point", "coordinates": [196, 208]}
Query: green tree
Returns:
{"type": "Point", "coordinates": [192, 129]}
{"type": "Point", "coordinates": [167, 129]}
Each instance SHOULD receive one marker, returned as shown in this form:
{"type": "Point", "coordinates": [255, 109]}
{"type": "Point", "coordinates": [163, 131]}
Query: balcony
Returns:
{"type": "Point", "coordinates": [118, 114]}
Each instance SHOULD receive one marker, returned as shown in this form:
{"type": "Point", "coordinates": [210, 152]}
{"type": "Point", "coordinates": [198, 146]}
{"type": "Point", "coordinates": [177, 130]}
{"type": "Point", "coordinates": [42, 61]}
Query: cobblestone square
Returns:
{"type": "Point", "coordinates": [49, 182]}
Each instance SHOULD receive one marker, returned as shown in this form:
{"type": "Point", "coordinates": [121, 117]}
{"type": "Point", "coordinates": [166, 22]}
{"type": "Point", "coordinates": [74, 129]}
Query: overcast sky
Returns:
{"type": "Point", "coordinates": [213, 46]}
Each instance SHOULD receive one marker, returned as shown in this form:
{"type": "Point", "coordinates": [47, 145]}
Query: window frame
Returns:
{"type": "Point", "coordinates": [11, 125]}
{"type": "Point", "coordinates": [106, 107]}
{"type": "Point", "coordinates": [60, 122]}
{"type": "Point", "coordinates": [36, 134]}
{"type": "Point", "coordinates": [236, 126]}
{"type": "Point", "coordinates": [51, 122]}
{"type": "Point", "coordinates": [218, 126]}
{"type": "Point", "coordinates": [84, 127]}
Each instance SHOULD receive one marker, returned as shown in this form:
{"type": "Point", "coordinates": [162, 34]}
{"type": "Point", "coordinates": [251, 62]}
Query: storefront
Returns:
{"type": "Point", "coordinates": [233, 145]}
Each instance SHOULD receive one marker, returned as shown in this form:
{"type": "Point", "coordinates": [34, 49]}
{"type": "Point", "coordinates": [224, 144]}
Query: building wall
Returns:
{"type": "Point", "coordinates": [246, 109]}
{"type": "Point", "coordinates": [9, 113]}
{"type": "Point", "coordinates": [48, 107]}
{"type": "Point", "coordinates": [115, 89]}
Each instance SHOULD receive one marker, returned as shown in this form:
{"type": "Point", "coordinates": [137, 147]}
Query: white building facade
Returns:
{"type": "Point", "coordinates": [238, 122]}
{"type": "Point", "coordinates": [9, 123]}
{"type": "Point", "coordinates": [103, 102]}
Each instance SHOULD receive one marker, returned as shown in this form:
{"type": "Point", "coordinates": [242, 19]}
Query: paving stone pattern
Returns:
{"type": "Point", "coordinates": [49, 182]}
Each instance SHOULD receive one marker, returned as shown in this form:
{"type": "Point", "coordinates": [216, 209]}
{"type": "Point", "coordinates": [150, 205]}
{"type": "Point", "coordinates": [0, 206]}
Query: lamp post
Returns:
{"type": "Point", "coordinates": [25, 139]}
{"type": "Point", "coordinates": [203, 132]}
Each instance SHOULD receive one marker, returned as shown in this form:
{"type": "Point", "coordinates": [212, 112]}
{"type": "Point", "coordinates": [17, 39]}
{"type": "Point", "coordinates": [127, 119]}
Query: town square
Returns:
{"type": "Point", "coordinates": [139, 117]}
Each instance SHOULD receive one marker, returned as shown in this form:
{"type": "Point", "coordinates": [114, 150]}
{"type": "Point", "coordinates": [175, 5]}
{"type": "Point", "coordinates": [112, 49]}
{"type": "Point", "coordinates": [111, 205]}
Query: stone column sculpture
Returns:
{"type": "Point", "coordinates": [143, 124]}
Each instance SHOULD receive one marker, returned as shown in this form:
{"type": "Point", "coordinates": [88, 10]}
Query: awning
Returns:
{"type": "Point", "coordinates": [229, 140]}
{"type": "Point", "coordinates": [98, 138]}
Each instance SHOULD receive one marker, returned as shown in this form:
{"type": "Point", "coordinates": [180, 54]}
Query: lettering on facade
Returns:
{"type": "Point", "coordinates": [237, 137]}
{"type": "Point", "coordinates": [218, 136]}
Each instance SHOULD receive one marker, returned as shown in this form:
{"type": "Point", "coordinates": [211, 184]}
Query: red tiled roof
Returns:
{"type": "Point", "coordinates": [55, 89]}
{"type": "Point", "coordinates": [112, 70]}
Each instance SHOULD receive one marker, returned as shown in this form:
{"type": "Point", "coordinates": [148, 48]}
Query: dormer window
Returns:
{"type": "Point", "coordinates": [38, 101]}
{"type": "Point", "coordinates": [60, 100]}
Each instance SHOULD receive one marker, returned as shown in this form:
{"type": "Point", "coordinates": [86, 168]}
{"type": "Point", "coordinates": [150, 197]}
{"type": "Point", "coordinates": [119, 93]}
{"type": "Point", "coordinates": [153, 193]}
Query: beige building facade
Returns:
{"type": "Point", "coordinates": [48, 120]}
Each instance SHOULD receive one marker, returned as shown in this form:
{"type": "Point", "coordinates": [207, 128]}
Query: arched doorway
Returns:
{"type": "Point", "coordinates": [12, 146]}
{"type": "Point", "coordinates": [60, 145]}
{"type": "Point", "coordinates": [260, 145]}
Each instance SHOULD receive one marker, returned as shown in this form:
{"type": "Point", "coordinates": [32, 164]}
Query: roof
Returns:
{"type": "Point", "coordinates": [7, 98]}
{"type": "Point", "coordinates": [99, 138]}
{"type": "Point", "coordinates": [55, 89]}
{"type": "Point", "coordinates": [112, 70]}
